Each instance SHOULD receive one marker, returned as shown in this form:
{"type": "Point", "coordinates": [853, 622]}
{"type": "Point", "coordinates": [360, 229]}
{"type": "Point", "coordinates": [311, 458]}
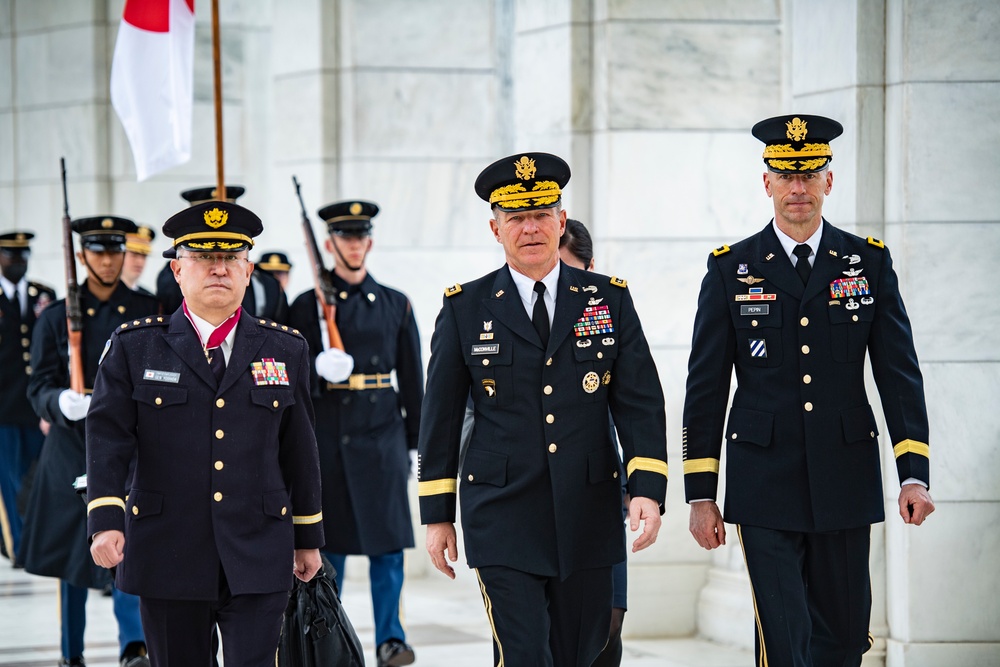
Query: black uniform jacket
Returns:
{"type": "Point", "coordinates": [275, 306]}
{"type": "Point", "coordinates": [226, 473]}
{"type": "Point", "coordinates": [55, 532]}
{"type": "Point", "coordinates": [15, 354]}
{"type": "Point", "coordinates": [803, 453]}
{"type": "Point", "coordinates": [540, 486]}
{"type": "Point", "coordinates": [363, 436]}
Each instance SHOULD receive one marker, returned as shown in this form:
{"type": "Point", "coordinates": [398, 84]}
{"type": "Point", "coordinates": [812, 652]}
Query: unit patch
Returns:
{"type": "Point", "coordinates": [758, 348]}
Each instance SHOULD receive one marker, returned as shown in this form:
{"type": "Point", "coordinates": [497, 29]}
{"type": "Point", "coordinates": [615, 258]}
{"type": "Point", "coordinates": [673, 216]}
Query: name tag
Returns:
{"type": "Point", "coordinates": [491, 348]}
{"type": "Point", "coordinates": [762, 309]}
{"type": "Point", "coordinates": [161, 376]}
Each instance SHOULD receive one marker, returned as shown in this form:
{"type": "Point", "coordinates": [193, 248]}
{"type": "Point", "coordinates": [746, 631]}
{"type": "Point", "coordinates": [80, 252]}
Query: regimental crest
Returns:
{"type": "Point", "coordinates": [524, 168]}
{"type": "Point", "coordinates": [796, 129]}
{"type": "Point", "coordinates": [216, 218]}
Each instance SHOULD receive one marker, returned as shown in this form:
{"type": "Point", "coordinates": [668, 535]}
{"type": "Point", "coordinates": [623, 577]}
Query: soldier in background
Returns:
{"type": "Point", "coordinates": [277, 265]}
{"type": "Point", "coordinates": [263, 298]}
{"type": "Point", "coordinates": [137, 249]}
{"type": "Point", "coordinates": [21, 302]}
{"type": "Point", "coordinates": [54, 543]}
{"type": "Point", "coordinates": [365, 427]}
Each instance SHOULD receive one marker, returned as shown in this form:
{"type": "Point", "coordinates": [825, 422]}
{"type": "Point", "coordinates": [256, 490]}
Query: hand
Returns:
{"type": "Point", "coordinates": [108, 548]}
{"type": "Point", "coordinates": [706, 524]}
{"type": "Point", "coordinates": [74, 406]}
{"type": "Point", "coordinates": [647, 511]}
{"type": "Point", "coordinates": [307, 563]}
{"type": "Point", "coordinates": [43, 426]}
{"type": "Point", "coordinates": [440, 538]}
{"type": "Point", "coordinates": [414, 462]}
{"type": "Point", "coordinates": [334, 365]}
{"type": "Point", "coordinates": [915, 503]}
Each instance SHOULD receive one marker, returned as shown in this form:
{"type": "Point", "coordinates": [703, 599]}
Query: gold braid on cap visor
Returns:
{"type": "Point", "coordinates": [516, 196]}
{"type": "Point", "coordinates": [215, 242]}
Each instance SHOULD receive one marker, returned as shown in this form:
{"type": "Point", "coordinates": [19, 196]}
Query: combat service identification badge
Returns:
{"type": "Point", "coordinates": [591, 381]}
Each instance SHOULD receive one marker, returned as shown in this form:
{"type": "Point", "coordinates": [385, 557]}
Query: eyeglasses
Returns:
{"type": "Point", "coordinates": [209, 260]}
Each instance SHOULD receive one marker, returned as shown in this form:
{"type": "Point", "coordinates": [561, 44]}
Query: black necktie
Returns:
{"type": "Point", "coordinates": [802, 251]}
{"type": "Point", "coordinates": [16, 302]}
{"type": "Point", "coordinates": [217, 361]}
{"type": "Point", "coordinates": [540, 314]}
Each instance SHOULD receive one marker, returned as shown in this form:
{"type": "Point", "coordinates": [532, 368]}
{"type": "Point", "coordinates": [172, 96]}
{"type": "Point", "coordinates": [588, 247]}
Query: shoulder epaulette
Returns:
{"type": "Point", "coordinates": [271, 324]}
{"type": "Point", "coordinates": [721, 251]}
{"type": "Point", "coordinates": [875, 242]}
{"type": "Point", "coordinates": [453, 290]}
{"type": "Point", "coordinates": [619, 282]}
{"type": "Point", "coordinates": [151, 321]}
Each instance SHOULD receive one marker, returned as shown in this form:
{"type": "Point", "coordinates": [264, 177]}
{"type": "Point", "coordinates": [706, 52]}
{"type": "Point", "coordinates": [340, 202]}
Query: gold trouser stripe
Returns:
{"type": "Point", "coordinates": [435, 487]}
{"type": "Point", "coordinates": [306, 520]}
{"type": "Point", "coordinates": [5, 531]}
{"type": "Point", "coordinates": [489, 614]}
{"type": "Point", "coordinates": [106, 501]}
{"type": "Point", "coordinates": [701, 465]}
{"type": "Point", "coordinates": [762, 657]}
{"type": "Point", "coordinates": [645, 463]}
{"type": "Point", "coordinates": [912, 447]}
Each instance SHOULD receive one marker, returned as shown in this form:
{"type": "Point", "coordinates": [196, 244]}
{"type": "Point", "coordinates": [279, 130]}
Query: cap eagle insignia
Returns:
{"type": "Point", "coordinates": [796, 129]}
{"type": "Point", "coordinates": [524, 168]}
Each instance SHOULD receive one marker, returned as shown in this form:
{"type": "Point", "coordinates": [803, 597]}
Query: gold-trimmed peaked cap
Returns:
{"type": "Point", "coordinates": [273, 261]}
{"type": "Point", "coordinates": [141, 242]}
{"type": "Point", "coordinates": [524, 181]}
{"type": "Point", "coordinates": [208, 193]}
{"type": "Point", "coordinates": [212, 226]}
{"type": "Point", "coordinates": [797, 144]}
{"type": "Point", "coordinates": [351, 217]}
{"type": "Point", "coordinates": [16, 241]}
{"type": "Point", "coordinates": [103, 233]}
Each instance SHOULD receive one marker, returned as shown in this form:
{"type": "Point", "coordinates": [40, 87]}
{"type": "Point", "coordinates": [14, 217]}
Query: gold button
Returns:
{"type": "Point", "coordinates": [809, 406]}
{"type": "Point", "coordinates": [91, 311]}
{"type": "Point", "coordinates": [284, 511]}
{"type": "Point", "coordinates": [871, 434]}
{"type": "Point", "coordinates": [807, 378]}
{"type": "Point", "coordinates": [805, 349]}
{"type": "Point", "coordinates": [553, 448]}
{"type": "Point", "coordinates": [855, 318]}
{"type": "Point", "coordinates": [135, 511]}
{"type": "Point", "coordinates": [343, 295]}
{"type": "Point", "coordinates": [219, 465]}
{"type": "Point", "coordinates": [600, 355]}
{"type": "Point", "coordinates": [158, 401]}
{"type": "Point", "coordinates": [753, 323]}
{"type": "Point", "coordinates": [549, 419]}
{"type": "Point", "coordinates": [275, 404]}
{"type": "Point", "coordinates": [732, 437]}
{"type": "Point", "coordinates": [220, 403]}
{"type": "Point", "coordinates": [27, 370]}
{"type": "Point", "coordinates": [471, 478]}
{"type": "Point", "coordinates": [548, 362]}
{"type": "Point", "coordinates": [486, 362]}
{"type": "Point", "coordinates": [26, 356]}
{"type": "Point", "coordinates": [217, 496]}
{"type": "Point", "coordinates": [804, 321]}
{"type": "Point", "coordinates": [219, 434]}
{"type": "Point", "coordinates": [548, 389]}
{"type": "Point", "coordinates": [24, 328]}
{"type": "Point", "coordinates": [615, 474]}
{"type": "Point", "coordinates": [25, 342]}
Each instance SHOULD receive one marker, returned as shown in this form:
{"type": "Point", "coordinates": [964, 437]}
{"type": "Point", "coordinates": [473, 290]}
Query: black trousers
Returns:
{"type": "Point", "coordinates": [812, 595]}
{"type": "Point", "coordinates": [179, 633]}
{"type": "Point", "coordinates": [544, 621]}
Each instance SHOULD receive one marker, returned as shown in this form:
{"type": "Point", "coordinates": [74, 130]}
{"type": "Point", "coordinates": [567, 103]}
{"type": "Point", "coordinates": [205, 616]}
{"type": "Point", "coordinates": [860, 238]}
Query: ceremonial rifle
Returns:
{"type": "Point", "coordinates": [321, 277]}
{"type": "Point", "coordinates": [74, 312]}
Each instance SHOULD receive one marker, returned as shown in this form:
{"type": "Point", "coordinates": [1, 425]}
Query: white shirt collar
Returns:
{"type": "Point", "coordinates": [788, 243]}
{"type": "Point", "coordinates": [526, 289]}
{"type": "Point", "coordinates": [205, 328]}
{"type": "Point", "coordinates": [21, 288]}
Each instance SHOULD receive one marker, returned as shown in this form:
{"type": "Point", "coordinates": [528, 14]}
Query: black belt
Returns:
{"type": "Point", "coordinates": [361, 381]}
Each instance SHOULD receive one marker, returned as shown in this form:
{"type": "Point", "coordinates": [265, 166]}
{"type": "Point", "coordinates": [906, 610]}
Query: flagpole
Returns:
{"type": "Point", "coordinates": [220, 191]}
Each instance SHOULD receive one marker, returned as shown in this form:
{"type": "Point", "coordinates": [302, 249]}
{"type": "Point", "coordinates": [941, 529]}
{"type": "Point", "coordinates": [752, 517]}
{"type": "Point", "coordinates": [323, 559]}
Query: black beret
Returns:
{"type": "Point", "coordinates": [524, 181]}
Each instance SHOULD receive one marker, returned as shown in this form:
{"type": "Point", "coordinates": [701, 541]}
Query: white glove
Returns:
{"type": "Point", "coordinates": [74, 406]}
{"type": "Point", "coordinates": [334, 365]}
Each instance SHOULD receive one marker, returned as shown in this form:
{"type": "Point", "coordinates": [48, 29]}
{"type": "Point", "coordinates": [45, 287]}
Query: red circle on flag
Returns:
{"type": "Point", "coordinates": [151, 15]}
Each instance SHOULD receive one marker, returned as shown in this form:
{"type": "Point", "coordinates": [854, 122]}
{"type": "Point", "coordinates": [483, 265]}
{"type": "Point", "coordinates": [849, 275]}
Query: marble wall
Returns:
{"type": "Point", "coordinates": [650, 101]}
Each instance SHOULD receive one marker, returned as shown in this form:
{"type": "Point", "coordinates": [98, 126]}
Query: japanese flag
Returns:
{"type": "Point", "coordinates": [152, 82]}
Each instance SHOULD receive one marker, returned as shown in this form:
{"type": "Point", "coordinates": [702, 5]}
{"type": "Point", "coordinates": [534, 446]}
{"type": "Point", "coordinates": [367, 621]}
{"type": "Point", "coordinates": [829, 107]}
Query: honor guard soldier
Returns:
{"type": "Point", "coordinates": [21, 302]}
{"type": "Point", "coordinates": [545, 349]}
{"type": "Point", "coordinates": [137, 249]}
{"type": "Point", "coordinates": [264, 298]}
{"type": "Point", "coordinates": [795, 309]}
{"type": "Point", "coordinates": [276, 264]}
{"type": "Point", "coordinates": [54, 543]}
{"type": "Point", "coordinates": [365, 426]}
{"type": "Point", "coordinates": [212, 406]}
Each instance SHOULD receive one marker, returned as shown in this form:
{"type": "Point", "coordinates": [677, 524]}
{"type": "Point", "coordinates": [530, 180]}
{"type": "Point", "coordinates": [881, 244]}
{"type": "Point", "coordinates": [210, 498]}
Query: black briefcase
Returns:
{"type": "Point", "coordinates": [315, 631]}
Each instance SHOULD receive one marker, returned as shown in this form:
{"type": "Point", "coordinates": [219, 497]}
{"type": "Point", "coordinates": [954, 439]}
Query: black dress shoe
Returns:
{"type": "Point", "coordinates": [394, 653]}
{"type": "Point", "coordinates": [72, 662]}
{"type": "Point", "coordinates": [134, 655]}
